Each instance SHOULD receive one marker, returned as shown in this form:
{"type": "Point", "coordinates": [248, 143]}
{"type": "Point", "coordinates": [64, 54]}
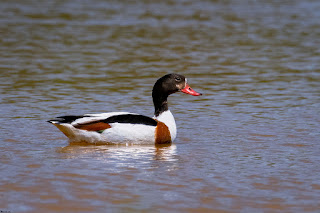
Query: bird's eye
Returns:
{"type": "Point", "coordinates": [177, 78]}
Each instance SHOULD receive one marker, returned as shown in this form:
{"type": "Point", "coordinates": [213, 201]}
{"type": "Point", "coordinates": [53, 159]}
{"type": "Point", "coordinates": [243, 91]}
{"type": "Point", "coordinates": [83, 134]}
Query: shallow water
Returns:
{"type": "Point", "coordinates": [249, 144]}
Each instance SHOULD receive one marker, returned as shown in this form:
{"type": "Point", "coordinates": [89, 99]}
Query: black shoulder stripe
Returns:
{"type": "Point", "coordinates": [132, 119]}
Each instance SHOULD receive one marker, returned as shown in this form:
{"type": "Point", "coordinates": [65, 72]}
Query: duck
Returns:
{"type": "Point", "coordinates": [125, 127]}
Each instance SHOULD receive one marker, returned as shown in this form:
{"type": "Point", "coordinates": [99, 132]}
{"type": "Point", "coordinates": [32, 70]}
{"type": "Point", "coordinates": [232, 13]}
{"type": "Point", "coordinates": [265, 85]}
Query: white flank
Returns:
{"type": "Point", "coordinates": [121, 133]}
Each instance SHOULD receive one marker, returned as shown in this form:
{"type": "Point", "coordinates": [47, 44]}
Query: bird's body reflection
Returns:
{"type": "Point", "coordinates": [120, 153]}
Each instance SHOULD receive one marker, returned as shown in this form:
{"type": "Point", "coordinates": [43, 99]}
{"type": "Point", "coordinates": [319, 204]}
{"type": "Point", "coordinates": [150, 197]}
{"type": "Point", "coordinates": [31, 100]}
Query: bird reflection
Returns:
{"type": "Point", "coordinates": [163, 152]}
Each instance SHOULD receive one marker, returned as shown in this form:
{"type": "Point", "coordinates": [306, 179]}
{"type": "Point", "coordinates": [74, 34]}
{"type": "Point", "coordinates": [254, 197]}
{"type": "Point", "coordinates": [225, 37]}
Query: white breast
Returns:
{"type": "Point", "coordinates": [168, 119]}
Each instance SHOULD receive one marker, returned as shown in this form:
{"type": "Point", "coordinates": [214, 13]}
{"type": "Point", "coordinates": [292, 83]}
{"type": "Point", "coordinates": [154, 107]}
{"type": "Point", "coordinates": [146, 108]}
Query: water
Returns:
{"type": "Point", "coordinates": [249, 144]}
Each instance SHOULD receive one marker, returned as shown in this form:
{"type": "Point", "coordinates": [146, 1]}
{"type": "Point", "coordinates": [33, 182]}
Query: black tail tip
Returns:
{"type": "Point", "coordinates": [65, 119]}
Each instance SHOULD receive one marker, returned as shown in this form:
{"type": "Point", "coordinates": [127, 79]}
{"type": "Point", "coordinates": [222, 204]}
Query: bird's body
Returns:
{"type": "Point", "coordinates": [125, 127]}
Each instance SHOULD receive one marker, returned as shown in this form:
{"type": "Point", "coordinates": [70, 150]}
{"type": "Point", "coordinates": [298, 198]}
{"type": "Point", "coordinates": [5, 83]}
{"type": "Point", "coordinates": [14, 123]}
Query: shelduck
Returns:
{"type": "Point", "coordinates": [129, 128]}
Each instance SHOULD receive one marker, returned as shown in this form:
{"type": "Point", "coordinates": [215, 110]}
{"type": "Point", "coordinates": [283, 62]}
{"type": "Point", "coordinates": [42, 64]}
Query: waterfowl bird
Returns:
{"type": "Point", "coordinates": [129, 128]}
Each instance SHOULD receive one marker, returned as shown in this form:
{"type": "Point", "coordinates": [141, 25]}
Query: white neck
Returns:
{"type": "Point", "coordinates": [167, 118]}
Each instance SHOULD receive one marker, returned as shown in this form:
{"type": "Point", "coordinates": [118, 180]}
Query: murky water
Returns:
{"type": "Point", "coordinates": [249, 144]}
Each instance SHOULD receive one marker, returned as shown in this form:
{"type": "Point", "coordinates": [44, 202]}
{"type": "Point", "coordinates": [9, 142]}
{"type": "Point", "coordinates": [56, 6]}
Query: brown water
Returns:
{"type": "Point", "coordinates": [249, 144]}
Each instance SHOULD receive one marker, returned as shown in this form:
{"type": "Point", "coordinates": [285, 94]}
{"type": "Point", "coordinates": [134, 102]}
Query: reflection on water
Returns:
{"type": "Point", "coordinates": [249, 144]}
{"type": "Point", "coordinates": [119, 153]}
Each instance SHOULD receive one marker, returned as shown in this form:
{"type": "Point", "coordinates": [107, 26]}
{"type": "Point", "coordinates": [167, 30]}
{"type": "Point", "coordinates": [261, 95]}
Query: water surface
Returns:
{"type": "Point", "coordinates": [249, 144]}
